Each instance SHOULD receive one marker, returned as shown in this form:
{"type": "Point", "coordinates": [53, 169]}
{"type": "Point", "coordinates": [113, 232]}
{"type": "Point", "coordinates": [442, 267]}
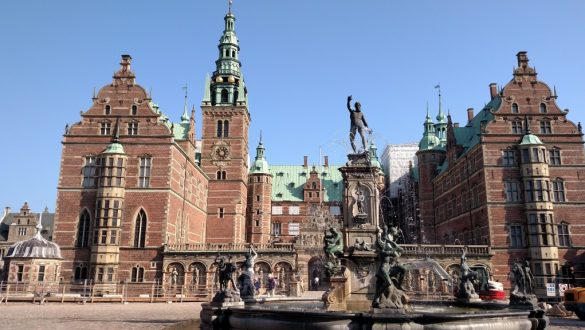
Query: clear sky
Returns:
{"type": "Point", "coordinates": [301, 58]}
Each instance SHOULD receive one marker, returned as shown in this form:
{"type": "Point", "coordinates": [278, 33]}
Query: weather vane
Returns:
{"type": "Point", "coordinates": [230, 2]}
{"type": "Point", "coordinates": [185, 89]}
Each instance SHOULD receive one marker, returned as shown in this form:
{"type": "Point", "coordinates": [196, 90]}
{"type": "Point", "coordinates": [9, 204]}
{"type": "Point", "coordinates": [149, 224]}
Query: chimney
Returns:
{"type": "Point", "coordinates": [469, 114]}
{"type": "Point", "coordinates": [306, 161]}
{"type": "Point", "coordinates": [326, 161]}
{"type": "Point", "coordinates": [493, 90]}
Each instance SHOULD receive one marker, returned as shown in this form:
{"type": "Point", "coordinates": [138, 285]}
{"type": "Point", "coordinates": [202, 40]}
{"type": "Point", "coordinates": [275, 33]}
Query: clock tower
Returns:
{"type": "Point", "coordinates": [224, 151]}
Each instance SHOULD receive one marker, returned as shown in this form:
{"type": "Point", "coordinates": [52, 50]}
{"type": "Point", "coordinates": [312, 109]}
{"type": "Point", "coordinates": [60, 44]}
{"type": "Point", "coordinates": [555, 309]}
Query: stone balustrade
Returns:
{"type": "Point", "coordinates": [409, 249]}
{"type": "Point", "coordinates": [228, 247]}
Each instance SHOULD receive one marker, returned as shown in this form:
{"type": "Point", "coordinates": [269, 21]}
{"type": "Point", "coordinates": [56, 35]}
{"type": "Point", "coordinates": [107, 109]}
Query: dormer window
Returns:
{"type": "Point", "coordinates": [515, 108]}
{"type": "Point", "coordinates": [134, 110]}
{"type": "Point", "coordinates": [542, 108]}
{"type": "Point", "coordinates": [108, 109]}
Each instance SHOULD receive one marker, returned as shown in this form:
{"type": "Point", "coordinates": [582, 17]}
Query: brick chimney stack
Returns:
{"type": "Point", "coordinates": [493, 90]}
{"type": "Point", "coordinates": [469, 114]}
{"type": "Point", "coordinates": [306, 161]}
{"type": "Point", "coordinates": [326, 161]}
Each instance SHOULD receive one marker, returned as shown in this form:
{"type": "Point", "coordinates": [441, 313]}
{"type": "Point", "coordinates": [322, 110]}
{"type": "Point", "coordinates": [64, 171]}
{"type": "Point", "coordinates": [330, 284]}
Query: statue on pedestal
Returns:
{"type": "Point", "coordinates": [333, 248]}
{"type": "Point", "coordinates": [522, 285]}
{"type": "Point", "coordinates": [390, 274]}
{"type": "Point", "coordinates": [468, 278]}
{"type": "Point", "coordinates": [358, 123]}
{"type": "Point", "coordinates": [246, 278]}
{"type": "Point", "coordinates": [226, 270]}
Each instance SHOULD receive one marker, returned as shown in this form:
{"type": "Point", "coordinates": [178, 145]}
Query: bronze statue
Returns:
{"type": "Point", "coordinates": [333, 245]}
{"type": "Point", "coordinates": [390, 274]}
{"type": "Point", "coordinates": [246, 279]}
{"type": "Point", "coordinates": [468, 278]}
{"type": "Point", "coordinates": [358, 123]}
{"type": "Point", "coordinates": [225, 269]}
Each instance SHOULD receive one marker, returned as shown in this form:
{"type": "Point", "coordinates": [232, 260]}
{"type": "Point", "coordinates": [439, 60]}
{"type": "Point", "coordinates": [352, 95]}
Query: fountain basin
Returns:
{"type": "Point", "coordinates": [295, 316]}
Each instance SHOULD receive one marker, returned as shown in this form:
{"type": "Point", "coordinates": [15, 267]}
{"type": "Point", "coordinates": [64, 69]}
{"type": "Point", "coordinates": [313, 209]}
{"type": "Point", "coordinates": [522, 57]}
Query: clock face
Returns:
{"type": "Point", "coordinates": [222, 152]}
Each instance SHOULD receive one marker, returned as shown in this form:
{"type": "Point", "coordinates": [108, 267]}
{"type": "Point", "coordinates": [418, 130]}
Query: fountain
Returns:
{"type": "Point", "coordinates": [365, 276]}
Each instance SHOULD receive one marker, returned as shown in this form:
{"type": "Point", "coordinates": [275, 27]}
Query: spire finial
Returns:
{"type": "Point", "coordinates": [260, 136]}
{"type": "Point", "coordinates": [185, 116]}
{"type": "Point", "coordinates": [93, 97]}
{"type": "Point", "coordinates": [230, 2]}
{"type": "Point", "coordinates": [527, 124]}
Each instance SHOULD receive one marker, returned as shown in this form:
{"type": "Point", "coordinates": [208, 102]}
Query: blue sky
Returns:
{"type": "Point", "coordinates": [300, 58]}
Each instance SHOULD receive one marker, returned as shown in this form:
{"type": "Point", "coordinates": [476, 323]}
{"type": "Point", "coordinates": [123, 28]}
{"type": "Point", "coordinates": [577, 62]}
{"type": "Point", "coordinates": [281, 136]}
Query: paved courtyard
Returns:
{"type": "Point", "coordinates": [108, 316]}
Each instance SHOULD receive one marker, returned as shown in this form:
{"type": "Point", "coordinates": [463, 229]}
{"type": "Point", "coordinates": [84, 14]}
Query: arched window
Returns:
{"type": "Point", "coordinates": [137, 274]}
{"type": "Point", "coordinates": [140, 229]}
{"type": "Point", "coordinates": [107, 109]}
{"type": "Point", "coordinates": [134, 110]}
{"type": "Point", "coordinates": [515, 108]}
{"type": "Point", "coordinates": [542, 108]}
{"type": "Point", "coordinates": [224, 96]}
{"type": "Point", "coordinates": [314, 185]}
{"type": "Point", "coordinates": [221, 175]}
{"type": "Point", "coordinates": [226, 128]}
{"type": "Point", "coordinates": [83, 230]}
{"type": "Point", "coordinates": [219, 128]}
{"type": "Point", "coordinates": [80, 273]}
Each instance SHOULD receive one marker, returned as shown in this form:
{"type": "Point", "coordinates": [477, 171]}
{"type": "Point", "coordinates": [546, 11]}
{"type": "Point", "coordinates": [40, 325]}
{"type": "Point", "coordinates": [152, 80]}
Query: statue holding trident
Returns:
{"type": "Point", "coordinates": [358, 123]}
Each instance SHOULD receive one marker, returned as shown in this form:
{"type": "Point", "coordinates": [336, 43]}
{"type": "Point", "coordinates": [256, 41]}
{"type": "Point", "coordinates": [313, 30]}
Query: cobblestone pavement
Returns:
{"type": "Point", "coordinates": [103, 316]}
{"type": "Point", "coordinates": [110, 316]}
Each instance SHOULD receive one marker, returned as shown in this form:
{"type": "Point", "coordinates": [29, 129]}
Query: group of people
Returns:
{"type": "Point", "coordinates": [271, 284]}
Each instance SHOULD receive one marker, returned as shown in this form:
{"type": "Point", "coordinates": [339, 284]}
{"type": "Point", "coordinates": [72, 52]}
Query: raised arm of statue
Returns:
{"type": "Point", "coordinates": [349, 103]}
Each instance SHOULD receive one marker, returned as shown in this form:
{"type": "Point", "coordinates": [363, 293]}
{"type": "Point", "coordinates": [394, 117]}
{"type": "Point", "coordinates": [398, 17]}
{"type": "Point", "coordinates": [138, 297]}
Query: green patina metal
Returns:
{"type": "Point", "coordinates": [374, 161]}
{"type": "Point", "coordinates": [530, 139]}
{"type": "Point", "coordinates": [429, 140]}
{"type": "Point", "coordinates": [289, 180]}
{"type": "Point", "coordinates": [114, 148]}
{"type": "Point", "coordinates": [260, 165]}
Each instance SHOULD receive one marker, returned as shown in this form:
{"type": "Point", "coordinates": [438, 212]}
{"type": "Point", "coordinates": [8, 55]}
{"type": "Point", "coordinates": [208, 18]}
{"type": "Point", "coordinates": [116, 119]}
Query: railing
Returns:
{"type": "Point", "coordinates": [102, 292]}
{"type": "Point", "coordinates": [228, 247]}
{"type": "Point", "coordinates": [443, 250]}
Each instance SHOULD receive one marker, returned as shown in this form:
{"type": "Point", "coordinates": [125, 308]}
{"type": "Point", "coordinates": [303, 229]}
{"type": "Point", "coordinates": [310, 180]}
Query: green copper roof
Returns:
{"type": "Point", "coordinates": [260, 165]}
{"type": "Point", "coordinates": [114, 148]}
{"type": "Point", "coordinates": [180, 130]}
{"type": "Point", "coordinates": [374, 155]}
{"type": "Point", "coordinates": [468, 136]}
{"type": "Point", "coordinates": [530, 139]}
{"type": "Point", "coordinates": [289, 180]}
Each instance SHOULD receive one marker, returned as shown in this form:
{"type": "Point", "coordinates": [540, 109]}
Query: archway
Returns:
{"type": "Point", "coordinates": [283, 272]}
{"type": "Point", "coordinates": [262, 270]}
{"type": "Point", "coordinates": [316, 273]}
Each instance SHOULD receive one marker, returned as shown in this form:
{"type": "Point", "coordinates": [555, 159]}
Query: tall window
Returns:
{"type": "Point", "coordinates": [224, 96]}
{"type": "Point", "coordinates": [112, 173]}
{"type": "Point", "coordinates": [80, 273]}
{"type": "Point", "coordinates": [558, 190]}
{"type": "Point", "coordinates": [517, 127]}
{"type": "Point", "coordinates": [83, 230]}
{"type": "Point", "coordinates": [516, 236]}
{"type": "Point", "coordinates": [545, 126]}
{"type": "Point", "coordinates": [563, 233]}
{"type": "Point", "coordinates": [107, 109]}
{"type": "Point", "coordinates": [41, 277]}
{"type": "Point", "coordinates": [540, 229]}
{"type": "Point", "coordinates": [105, 128]}
{"type": "Point", "coordinates": [90, 171]}
{"type": "Point", "coordinates": [140, 230]}
{"type": "Point", "coordinates": [220, 212]}
{"type": "Point", "coordinates": [137, 274]}
{"type": "Point", "coordinates": [21, 231]}
{"type": "Point", "coordinates": [509, 158]}
{"type": "Point", "coordinates": [512, 189]}
{"type": "Point", "coordinates": [134, 110]}
{"type": "Point", "coordinates": [554, 156]}
{"type": "Point", "coordinates": [133, 128]}
{"type": "Point", "coordinates": [144, 173]}
{"type": "Point", "coordinates": [515, 108]}
{"type": "Point", "coordinates": [542, 108]}
{"type": "Point", "coordinates": [223, 128]}
{"type": "Point", "coordinates": [276, 226]}
{"type": "Point", "coordinates": [19, 273]}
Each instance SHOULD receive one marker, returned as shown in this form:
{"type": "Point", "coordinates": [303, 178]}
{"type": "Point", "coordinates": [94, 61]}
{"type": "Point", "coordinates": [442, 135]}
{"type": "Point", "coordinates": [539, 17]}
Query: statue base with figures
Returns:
{"type": "Point", "coordinates": [523, 301]}
{"type": "Point", "coordinates": [246, 284]}
{"type": "Point", "coordinates": [227, 296]}
{"type": "Point", "coordinates": [335, 298]}
{"type": "Point", "coordinates": [466, 293]}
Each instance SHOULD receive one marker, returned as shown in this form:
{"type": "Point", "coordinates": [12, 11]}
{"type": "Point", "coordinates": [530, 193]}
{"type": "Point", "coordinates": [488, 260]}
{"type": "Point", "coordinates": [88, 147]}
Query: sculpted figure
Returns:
{"type": "Point", "coordinates": [360, 201]}
{"type": "Point", "coordinates": [225, 269]}
{"type": "Point", "coordinates": [358, 123]}
{"type": "Point", "coordinates": [333, 244]}
{"type": "Point", "coordinates": [390, 274]}
{"type": "Point", "coordinates": [246, 279]}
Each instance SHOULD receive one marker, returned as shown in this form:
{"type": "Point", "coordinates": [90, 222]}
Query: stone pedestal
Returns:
{"type": "Point", "coordinates": [295, 288]}
{"type": "Point", "coordinates": [335, 298]}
